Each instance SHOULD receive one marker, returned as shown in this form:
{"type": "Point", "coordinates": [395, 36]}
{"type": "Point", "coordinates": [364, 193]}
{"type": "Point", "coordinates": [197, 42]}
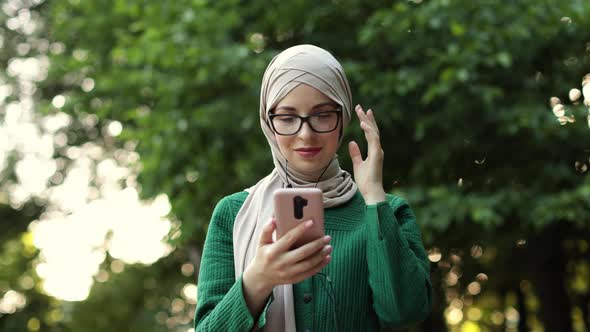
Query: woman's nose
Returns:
{"type": "Point", "coordinates": [305, 131]}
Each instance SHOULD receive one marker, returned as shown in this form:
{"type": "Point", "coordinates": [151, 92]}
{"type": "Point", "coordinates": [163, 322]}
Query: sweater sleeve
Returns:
{"type": "Point", "coordinates": [399, 271]}
{"type": "Point", "coordinates": [221, 305]}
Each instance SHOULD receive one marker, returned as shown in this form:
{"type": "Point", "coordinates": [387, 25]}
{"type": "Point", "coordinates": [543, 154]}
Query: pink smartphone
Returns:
{"type": "Point", "coordinates": [296, 205]}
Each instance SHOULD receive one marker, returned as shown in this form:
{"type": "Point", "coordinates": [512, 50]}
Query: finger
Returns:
{"type": "Point", "coordinates": [359, 109]}
{"type": "Point", "coordinates": [371, 117]}
{"type": "Point", "coordinates": [306, 274]}
{"type": "Point", "coordinates": [372, 137]}
{"type": "Point", "coordinates": [287, 241]}
{"type": "Point", "coordinates": [360, 113]}
{"type": "Point", "coordinates": [375, 151]}
{"type": "Point", "coordinates": [355, 153]}
{"type": "Point", "coordinates": [306, 250]}
{"type": "Point", "coordinates": [310, 263]}
{"type": "Point", "coordinates": [267, 230]}
{"type": "Point", "coordinates": [370, 125]}
{"type": "Point", "coordinates": [366, 127]}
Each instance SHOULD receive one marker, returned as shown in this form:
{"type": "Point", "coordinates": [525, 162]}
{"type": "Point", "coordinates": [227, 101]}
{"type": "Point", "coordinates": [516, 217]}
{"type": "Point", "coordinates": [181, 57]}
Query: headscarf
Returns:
{"type": "Point", "coordinates": [301, 64]}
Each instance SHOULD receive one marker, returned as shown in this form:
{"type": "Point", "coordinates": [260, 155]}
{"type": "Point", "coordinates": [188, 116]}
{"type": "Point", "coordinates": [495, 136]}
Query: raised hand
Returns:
{"type": "Point", "coordinates": [368, 173]}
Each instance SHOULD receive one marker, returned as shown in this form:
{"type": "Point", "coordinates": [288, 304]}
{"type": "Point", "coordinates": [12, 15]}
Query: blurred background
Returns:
{"type": "Point", "coordinates": [123, 122]}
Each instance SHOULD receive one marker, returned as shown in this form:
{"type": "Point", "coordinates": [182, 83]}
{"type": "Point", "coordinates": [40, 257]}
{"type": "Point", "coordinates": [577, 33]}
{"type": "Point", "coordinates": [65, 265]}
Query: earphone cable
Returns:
{"type": "Point", "coordinates": [324, 171]}
{"type": "Point", "coordinates": [330, 291]}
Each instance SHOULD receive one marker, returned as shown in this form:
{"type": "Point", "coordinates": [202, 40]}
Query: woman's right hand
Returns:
{"type": "Point", "coordinates": [274, 264]}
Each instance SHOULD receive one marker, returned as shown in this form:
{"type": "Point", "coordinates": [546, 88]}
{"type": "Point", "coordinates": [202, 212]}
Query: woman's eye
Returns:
{"type": "Point", "coordinates": [325, 115]}
{"type": "Point", "coordinates": [286, 119]}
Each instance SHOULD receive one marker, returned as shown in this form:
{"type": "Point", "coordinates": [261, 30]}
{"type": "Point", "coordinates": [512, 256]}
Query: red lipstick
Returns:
{"type": "Point", "coordinates": [308, 152]}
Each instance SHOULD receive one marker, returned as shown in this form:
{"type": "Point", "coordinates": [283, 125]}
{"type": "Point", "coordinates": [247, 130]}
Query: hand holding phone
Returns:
{"type": "Point", "coordinates": [275, 264]}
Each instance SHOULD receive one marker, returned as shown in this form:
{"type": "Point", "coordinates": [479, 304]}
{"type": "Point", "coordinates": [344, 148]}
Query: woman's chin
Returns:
{"type": "Point", "coordinates": [309, 167]}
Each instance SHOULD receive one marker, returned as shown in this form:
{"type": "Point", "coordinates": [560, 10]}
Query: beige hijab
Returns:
{"type": "Point", "coordinates": [302, 64]}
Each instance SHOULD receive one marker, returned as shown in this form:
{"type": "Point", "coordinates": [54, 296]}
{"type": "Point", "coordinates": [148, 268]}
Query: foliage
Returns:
{"type": "Point", "coordinates": [460, 90]}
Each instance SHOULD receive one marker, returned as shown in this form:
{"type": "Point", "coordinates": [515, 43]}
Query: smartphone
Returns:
{"type": "Point", "coordinates": [295, 205]}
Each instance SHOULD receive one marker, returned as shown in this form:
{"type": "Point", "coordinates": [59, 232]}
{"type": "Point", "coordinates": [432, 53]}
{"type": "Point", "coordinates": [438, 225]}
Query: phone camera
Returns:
{"type": "Point", "coordinates": [298, 204]}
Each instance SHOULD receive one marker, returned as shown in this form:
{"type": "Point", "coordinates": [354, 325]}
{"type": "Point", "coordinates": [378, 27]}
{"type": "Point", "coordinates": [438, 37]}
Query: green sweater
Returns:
{"type": "Point", "coordinates": [379, 272]}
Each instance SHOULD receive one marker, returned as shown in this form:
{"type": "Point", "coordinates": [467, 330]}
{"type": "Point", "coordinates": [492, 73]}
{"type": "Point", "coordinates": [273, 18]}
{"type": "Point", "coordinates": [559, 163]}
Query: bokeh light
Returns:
{"type": "Point", "coordinates": [474, 313]}
{"type": "Point", "coordinates": [93, 208]}
{"type": "Point", "coordinates": [434, 255]}
{"type": "Point", "coordinates": [58, 101]}
{"type": "Point", "coordinates": [187, 269]}
{"type": "Point", "coordinates": [11, 302]}
{"type": "Point", "coordinates": [189, 292]}
{"type": "Point", "coordinates": [474, 288]}
{"type": "Point", "coordinates": [453, 315]}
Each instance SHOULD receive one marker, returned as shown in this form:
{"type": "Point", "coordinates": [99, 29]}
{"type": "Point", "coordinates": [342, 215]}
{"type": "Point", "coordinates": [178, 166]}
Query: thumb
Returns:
{"type": "Point", "coordinates": [267, 230]}
{"type": "Point", "coordinates": [355, 153]}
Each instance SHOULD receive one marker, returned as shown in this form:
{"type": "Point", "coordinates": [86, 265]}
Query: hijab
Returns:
{"type": "Point", "coordinates": [316, 67]}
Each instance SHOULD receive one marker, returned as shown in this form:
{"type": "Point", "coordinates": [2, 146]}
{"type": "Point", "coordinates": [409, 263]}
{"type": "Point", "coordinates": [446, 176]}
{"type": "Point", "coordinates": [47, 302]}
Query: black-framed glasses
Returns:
{"type": "Point", "coordinates": [320, 122]}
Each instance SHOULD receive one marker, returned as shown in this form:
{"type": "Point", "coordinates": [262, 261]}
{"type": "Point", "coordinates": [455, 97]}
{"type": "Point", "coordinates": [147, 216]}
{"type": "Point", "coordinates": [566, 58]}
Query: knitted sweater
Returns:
{"type": "Point", "coordinates": [378, 275]}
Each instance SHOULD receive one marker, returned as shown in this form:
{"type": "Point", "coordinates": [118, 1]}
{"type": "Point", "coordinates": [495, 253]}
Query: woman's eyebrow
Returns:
{"type": "Point", "coordinates": [327, 103]}
{"type": "Point", "coordinates": [291, 108]}
{"type": "Point", "coordinates": [286, 108]}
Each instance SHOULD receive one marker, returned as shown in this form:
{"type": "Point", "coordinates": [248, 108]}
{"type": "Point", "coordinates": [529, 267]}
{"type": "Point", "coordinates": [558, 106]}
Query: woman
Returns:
{"type": "Point", "coordinates": [369, 269]}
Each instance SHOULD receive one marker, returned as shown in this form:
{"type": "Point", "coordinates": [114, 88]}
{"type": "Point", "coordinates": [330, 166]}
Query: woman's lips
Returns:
{"type": "Point", "coordinates": [308, 152]}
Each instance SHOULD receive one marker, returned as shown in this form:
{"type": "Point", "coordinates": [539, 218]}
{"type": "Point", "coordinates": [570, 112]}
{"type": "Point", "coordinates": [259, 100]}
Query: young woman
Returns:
{"type": "Point", "coordinates": [369, 270]}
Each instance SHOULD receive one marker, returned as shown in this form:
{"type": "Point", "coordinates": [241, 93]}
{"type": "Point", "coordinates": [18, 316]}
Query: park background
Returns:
{"type": "Point", "coordinates": [123, 122]}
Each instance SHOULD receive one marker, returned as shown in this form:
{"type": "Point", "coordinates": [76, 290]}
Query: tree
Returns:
{"type": "Point", "coordinates": [460, 90]}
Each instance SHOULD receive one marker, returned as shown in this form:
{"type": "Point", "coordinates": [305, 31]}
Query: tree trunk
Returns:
{"type": "Point", "coordinates": [585, 307]}
{"type": "Point", "coordinates": [436, 320]}
{"type": "Point", "coordinates": [549, 280]}
{"type": "Point", "coordinates": [522, 311]}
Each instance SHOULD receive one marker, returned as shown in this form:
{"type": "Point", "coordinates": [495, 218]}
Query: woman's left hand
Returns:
{"type": "Point", "coordinates": [368, 173]}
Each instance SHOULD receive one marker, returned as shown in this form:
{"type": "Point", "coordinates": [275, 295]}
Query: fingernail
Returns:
{"type": "Point", "coordinates": [327, 249]}
{"type": "Point", "coordinates": [308, 223]}
{"type": "Point", "coordinates": [327, 238]}
{"type": "Point", "coordinates": [328, 258]}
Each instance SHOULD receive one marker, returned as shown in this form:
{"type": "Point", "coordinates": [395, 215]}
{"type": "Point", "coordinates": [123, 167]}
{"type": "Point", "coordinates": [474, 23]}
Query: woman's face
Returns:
{"type": "Point", "coordinates": [307, 151]}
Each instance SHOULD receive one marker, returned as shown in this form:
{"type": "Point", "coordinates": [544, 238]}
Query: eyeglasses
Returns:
{"type": "Point", "coordinates": [320, 122]}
